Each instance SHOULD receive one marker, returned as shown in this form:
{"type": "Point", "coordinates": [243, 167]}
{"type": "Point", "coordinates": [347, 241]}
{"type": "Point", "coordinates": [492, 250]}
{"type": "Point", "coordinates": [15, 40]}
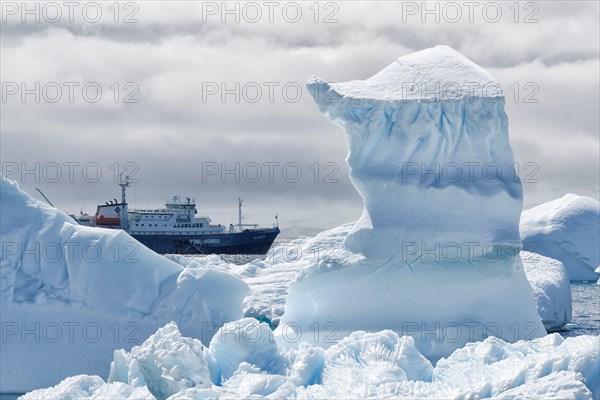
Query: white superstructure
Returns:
{"type": "Point", "coordinates": [177, 218]}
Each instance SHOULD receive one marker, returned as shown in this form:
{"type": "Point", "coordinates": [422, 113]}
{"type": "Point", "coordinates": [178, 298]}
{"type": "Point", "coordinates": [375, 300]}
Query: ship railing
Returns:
{"type": "Point", "coordinates": [156, 211]}
{"type": "Point", "coordinates": [245, 227]}
{"type": "Point", "coordinates": [180, 203]}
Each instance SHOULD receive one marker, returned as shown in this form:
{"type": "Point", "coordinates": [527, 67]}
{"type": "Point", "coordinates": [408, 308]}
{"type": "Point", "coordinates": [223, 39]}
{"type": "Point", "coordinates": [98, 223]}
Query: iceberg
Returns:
{"type": "Point", "coordinates": [551, 289]}
{"type": "Point", "coordinates": [70, 294]}
{"type": "Point", "coordinates": [435, 252]}
{"type": "Point", "coordinates": [269, 279]}
{"type": "Point", "coordinates": [363, 365]}
{"type": "Point", "coordinates": [568, 230]}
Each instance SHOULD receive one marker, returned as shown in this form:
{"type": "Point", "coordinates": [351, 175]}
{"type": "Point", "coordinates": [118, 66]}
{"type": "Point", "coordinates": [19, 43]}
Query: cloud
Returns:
{"type": "Point", "coordinates": [176, 56]}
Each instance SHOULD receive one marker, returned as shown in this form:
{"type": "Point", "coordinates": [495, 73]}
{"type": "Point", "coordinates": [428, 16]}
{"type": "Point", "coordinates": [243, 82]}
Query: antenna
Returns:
{"type": "Point", "coordinates": [240, 212]}
{"type": "Point", "coordinates": [124, 183]}
{"type": "Point", "coordinates": [44, 196]}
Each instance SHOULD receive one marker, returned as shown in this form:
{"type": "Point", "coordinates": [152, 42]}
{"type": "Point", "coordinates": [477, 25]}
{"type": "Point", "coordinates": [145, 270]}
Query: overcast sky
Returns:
{"type": "Point", "coordinates": [173, 60]}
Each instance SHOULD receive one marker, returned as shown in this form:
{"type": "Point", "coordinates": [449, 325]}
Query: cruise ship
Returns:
{"type": "Point", "coordinates": [177, 229]}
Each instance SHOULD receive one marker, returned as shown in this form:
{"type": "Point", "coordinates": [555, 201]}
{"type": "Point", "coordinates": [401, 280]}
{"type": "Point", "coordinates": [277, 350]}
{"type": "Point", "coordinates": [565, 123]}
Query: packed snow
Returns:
{"type": "Point", "coordinates": [551, 289]}
{"type": "Point", "coordinates": [362, 365]}
{"type": "Point", "coordinates": [568, 230]}
{"type": "Point", "coordinates": [438, 73]}
{"type": "Point", "coordinates": [438, 240]}
{"type": "Point", "coordinates": [70, 294]}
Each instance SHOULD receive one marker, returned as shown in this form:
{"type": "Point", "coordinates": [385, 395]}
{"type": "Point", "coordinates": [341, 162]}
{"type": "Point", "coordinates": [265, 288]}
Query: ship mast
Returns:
{"type": "Point", "coordinates": [240, 212]}
{"type": "Point", "coordinates": [124, 184]}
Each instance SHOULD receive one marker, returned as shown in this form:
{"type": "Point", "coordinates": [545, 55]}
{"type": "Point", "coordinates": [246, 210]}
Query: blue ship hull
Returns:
{"type": "Point", "coordinates": [256, 241]}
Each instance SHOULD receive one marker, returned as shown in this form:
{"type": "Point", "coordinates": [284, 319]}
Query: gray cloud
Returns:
{"type": "Point", "coordinates": [172, 132]}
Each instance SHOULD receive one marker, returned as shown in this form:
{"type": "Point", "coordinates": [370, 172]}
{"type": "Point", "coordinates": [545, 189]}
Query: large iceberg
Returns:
{"type": "Point", "coordinates": [435, 253]}
{"type": "Point", "coordinates": [70, 295]}
{"type": "Point", "coordinates": [568, 230]}
{"type": "Point", "coordinates": [269, 279]}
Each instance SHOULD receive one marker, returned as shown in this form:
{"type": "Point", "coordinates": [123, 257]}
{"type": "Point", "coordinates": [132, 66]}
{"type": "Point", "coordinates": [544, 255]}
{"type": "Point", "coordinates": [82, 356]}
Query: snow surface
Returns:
{"type": "Point", "coordinates": [90, 387]}
{"type": "Point", "coordinates": [71, 294]}
{"type": "Point", "coordinates": [362, 365]}
{"type": "Point", "coordinates": [436, 73]}
{"type": "Point", "coordinates": [568, 230]}
{"type": "Point", "coordinates": [551, 289]}
{"type": "Point", "coordinates": [269, 279]}
{"type": "Point", "coordinates": [439, 249]}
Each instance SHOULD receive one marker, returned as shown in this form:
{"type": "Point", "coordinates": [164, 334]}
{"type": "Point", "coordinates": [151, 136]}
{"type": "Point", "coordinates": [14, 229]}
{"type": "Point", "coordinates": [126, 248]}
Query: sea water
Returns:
{"type": "Point", "coordinates": [586, 310]}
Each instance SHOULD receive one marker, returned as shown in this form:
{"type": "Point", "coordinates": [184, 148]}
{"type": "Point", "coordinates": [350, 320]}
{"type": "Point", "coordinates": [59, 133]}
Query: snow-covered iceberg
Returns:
{"type": "Point", "coordinates": [435, 253]}
{"type": "Point", "coordinates": [269, 279]}
{"type": "Point", "coordinates": [363, 365]}
{"type": "Point", "coordinates": [551, 289]}
{"type": "Point", "coordinates": [568, 230]}
{"type": "Point", "coordinates": [70, 295]}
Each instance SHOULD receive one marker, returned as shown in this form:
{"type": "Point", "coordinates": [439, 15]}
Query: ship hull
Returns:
{"type": "Point", "coordinates": [257, 241]}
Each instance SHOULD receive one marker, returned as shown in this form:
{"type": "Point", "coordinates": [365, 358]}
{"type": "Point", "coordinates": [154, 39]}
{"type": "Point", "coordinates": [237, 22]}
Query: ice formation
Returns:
{"type": "Point", "coordinates": [70, 294]}
{"type": "Point", "coordinates": [165, 363]}
{"type": "Point", "coordinates": [269, 279]}
{"type": "Point", "coordinates": [551, 289]}
{"type": "Point", "coordinates": [435, 253]}
{"type": "Point", "coordinates": [363, 365]}
{"type": "Point", "coordinates": [568, 230]}
{"type": "Point", "coordinates": [81, 387]}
